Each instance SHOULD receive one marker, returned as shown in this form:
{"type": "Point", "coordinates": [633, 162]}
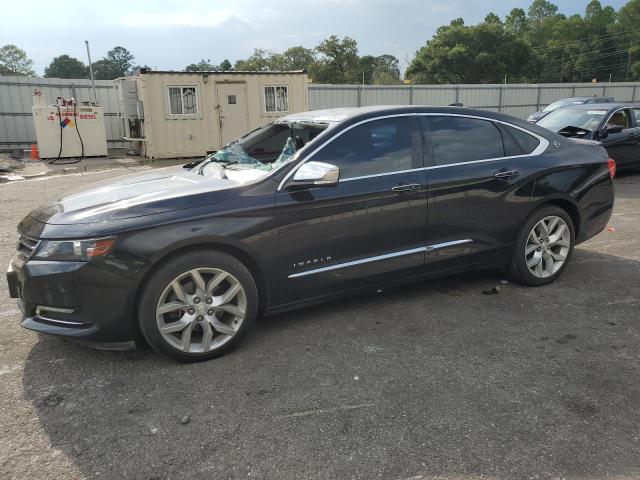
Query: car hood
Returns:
{"type": "Point", "coordinates": [158, 191]}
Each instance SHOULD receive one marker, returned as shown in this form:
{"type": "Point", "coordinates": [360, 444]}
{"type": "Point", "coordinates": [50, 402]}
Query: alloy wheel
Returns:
{"type": "Point", "coordinates": [547, 246]}
{"type": "Point", "coordinates": [201, 310]}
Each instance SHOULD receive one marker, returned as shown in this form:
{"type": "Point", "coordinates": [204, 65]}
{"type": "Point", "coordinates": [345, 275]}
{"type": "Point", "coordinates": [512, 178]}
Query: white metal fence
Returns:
{"type": "Point", "coordinates": [16, 120]}
{"type": "Point", "coordinates": [17, 130]}
{"type": "Point", "coordinates": [518, 100]}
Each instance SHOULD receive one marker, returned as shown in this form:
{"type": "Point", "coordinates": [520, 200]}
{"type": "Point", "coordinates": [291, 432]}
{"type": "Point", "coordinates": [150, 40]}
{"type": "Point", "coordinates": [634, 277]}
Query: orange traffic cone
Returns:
{"type": "Point", "coordinates": [34, 152]}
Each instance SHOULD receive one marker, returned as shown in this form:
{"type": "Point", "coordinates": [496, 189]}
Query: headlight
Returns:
{"type": "Point", "coordinates": [74, 250]}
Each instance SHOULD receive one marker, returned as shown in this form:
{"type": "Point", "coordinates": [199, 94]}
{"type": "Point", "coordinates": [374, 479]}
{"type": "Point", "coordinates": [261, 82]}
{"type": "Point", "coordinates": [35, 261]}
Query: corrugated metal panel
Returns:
{"type": "Point", "coordinates": [16, 123]}
{"type": "Point", "coordinates": [433, 95]}
{"type": "Point", "coordinates": [514, 99]}
{"type": "Point", "coordinates": [386, 95]}
{"type": "Point", "coordinates": [331, 96]}
{"type": "Point", "coordinates": [520, 96]}
{"type": "Point", "coordinates": [480, 96]}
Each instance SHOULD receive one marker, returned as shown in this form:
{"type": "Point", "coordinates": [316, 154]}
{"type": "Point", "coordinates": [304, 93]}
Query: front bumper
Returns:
{"type": "Point", "coordinates": [91, 302]}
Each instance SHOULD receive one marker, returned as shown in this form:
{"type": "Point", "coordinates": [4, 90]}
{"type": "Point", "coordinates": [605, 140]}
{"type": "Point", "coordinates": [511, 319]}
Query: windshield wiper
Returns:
{"type": "Point", "coordinates": [570, 130]}
{"type": "Point", "coordinates": [211, 159]}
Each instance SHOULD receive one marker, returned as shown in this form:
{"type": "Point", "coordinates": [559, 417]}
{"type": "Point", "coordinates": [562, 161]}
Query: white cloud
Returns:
{"type": "Point", "coordinates": [182, 19]}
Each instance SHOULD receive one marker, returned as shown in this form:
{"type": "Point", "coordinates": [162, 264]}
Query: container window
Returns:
{"type": "Point", "coordinates": [183, 101]}
{"type": "Point", "coordinates": [276, 99]}
{"type": "Point", "coordinates": [231, 99]}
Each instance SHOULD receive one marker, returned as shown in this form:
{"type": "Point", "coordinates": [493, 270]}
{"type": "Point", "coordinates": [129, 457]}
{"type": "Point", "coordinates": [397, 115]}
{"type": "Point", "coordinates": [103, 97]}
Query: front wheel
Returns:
{"type": "Point", "coordinates": [543, 248]}
{"type": "Point", "coordinates": [198, 306]}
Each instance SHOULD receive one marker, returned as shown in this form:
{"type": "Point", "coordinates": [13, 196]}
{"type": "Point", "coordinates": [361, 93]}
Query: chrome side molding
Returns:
{"type": "Point", "coordinates": [378, 258]}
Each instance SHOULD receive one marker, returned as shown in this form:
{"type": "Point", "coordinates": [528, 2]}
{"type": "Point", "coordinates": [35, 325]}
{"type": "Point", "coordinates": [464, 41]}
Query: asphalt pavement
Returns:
{"type": "Point", "coordinates": [433, 381]}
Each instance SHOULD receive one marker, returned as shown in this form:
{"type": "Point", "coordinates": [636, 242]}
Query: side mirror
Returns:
{"type": "Point", "coordinates": [603, 132]}
{"type": "Point", "coordinates": [316, 173]}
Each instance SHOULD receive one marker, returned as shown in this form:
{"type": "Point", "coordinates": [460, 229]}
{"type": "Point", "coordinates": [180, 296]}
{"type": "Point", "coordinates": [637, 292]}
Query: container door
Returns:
{"type": "Point", "coordinates": [232, 111]}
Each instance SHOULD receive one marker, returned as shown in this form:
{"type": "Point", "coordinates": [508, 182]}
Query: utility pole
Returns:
{"type": "Point", "coordinates": [93, 83]}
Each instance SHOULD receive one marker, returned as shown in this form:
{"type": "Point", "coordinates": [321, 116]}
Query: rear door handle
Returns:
{"type": "Point", "coordinates": [506, 174]}
{"type": "Point", "coordinates": [406, 188]}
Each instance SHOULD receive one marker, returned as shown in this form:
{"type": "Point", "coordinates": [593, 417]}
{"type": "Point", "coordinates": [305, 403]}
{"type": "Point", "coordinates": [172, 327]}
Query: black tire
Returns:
{"type": "Point", "coordinates": [173, 268]}
{"type": "Point", "coordinates": [518, 270]}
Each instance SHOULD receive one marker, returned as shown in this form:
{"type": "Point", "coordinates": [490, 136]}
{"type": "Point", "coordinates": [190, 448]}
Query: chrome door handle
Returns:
{"type": "Point", "coordinates": [506, 174]}
{"type": "Point", "coordinates": [406, 188]}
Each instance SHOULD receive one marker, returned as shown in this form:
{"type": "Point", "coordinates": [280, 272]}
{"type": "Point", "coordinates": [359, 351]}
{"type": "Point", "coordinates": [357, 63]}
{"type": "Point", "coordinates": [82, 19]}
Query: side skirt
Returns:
{"type": "Point", "coordinates": [492, 264]}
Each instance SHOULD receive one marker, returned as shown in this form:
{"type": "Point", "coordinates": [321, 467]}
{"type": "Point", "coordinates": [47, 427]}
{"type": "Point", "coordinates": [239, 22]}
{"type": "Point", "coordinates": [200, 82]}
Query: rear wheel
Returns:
{"type": "Point", "coordinates": [198, 306]}
{"type": "Point", "coordinates": [543, 248]}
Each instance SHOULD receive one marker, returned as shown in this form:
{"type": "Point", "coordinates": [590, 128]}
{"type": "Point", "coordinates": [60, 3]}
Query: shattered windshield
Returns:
{"type": "Point", "coordinates": [264, 149]}
{"type": "Point", "coordinates": [572, 117]}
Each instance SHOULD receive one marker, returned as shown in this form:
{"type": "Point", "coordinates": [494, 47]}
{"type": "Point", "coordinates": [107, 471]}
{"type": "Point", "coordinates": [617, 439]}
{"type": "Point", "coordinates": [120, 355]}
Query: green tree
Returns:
{"type": "Point", "coordinates": [105, 70]}
{"type": "Point", "coordinates": [367, 64]}
{"type": "Point", "coordinates": [540, 10]}
{"type": "Point", "coordinates": [628, 26]}
{"type": "Point", "coordinates": [298, 58]}
{"type": "Point", "coordinates": [629, 16]}
{"type": "Point", "coordinates": [381, 70]}
{"type": "Point", "coordinates": [492, 18]}
{"type": "Point", "coordinates": [117, 62]}
{"type": "Point", "coordinates": [516, 22]}
{"type": "Point", "coordinates": [339, 60]}
{"type": "Point", "coordinates": [225, 66]}
{"type": "Point", "coordinates": [261, 60]}
{"type": "Point", "coordinates": [65, 66]}
{"type": "Point", "coordinates": [14, 61]}
{"type": "Point", "coordinates": [121, 58]}
{"type": "Point", "coordinates": [202, 66]}
{"type": "Point", "coordinates": [483, 53]}
{"type": "Point", "coordinates": [598, 19]}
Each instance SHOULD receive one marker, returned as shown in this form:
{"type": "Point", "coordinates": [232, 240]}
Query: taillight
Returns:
{"type": "Point", "coordinates": [611, 164]}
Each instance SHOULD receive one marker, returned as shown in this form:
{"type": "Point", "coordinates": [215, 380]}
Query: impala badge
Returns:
{"type": "Point", "coordinates": [312, 261]}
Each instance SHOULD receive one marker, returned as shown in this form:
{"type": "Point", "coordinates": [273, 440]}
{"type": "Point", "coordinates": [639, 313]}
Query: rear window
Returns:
{"type": "Point", "coordinates": [462, 139]}
{"type": "Point", "coordinates": [524, 142]}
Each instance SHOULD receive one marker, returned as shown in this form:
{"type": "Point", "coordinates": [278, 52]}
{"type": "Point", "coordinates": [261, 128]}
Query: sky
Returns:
{"type": "Point", "coordinates": [170, 34]}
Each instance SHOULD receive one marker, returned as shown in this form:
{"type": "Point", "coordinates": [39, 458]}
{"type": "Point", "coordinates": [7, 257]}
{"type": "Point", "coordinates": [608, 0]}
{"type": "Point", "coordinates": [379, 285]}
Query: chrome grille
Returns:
{"type": "Point", "coordinates": [26, 246]}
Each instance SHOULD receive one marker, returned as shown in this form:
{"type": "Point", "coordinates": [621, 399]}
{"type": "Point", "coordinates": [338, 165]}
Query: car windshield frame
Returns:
{"type": "Point", "coordinates": [234, 155]}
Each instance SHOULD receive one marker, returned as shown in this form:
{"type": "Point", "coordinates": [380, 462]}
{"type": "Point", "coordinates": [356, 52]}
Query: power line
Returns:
{"type": "Point", "coordinates": [610, 36]}
{"type": "Point", "coordinates": [603, 36]}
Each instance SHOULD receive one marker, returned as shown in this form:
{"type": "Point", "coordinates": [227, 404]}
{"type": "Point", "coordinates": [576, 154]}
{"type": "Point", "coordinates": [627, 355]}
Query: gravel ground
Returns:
{"type": "Point", "coordinates": [437, 380]}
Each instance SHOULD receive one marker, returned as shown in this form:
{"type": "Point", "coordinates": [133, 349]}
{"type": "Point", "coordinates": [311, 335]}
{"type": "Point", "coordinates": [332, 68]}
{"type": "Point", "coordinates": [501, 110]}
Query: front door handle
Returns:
{"type": "Point", "coordinates": [506, 174]}
{"type": "Point", "coordinates": [406, 188]}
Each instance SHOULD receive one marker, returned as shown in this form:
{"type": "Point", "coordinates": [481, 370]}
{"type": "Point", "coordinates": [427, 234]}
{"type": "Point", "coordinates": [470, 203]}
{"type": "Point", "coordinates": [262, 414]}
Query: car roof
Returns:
{"type": "Point", "coordinates": [340, 115]}
{"type": "Point", "coordinates": [575, 99]}
{"type": "Point", "coordinates": [602, 106]}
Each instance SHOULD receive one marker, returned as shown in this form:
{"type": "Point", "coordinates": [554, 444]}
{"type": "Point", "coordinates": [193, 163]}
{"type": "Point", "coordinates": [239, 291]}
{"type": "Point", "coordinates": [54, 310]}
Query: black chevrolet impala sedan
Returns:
{"type": "Point", "coordinates": [306, 209]}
